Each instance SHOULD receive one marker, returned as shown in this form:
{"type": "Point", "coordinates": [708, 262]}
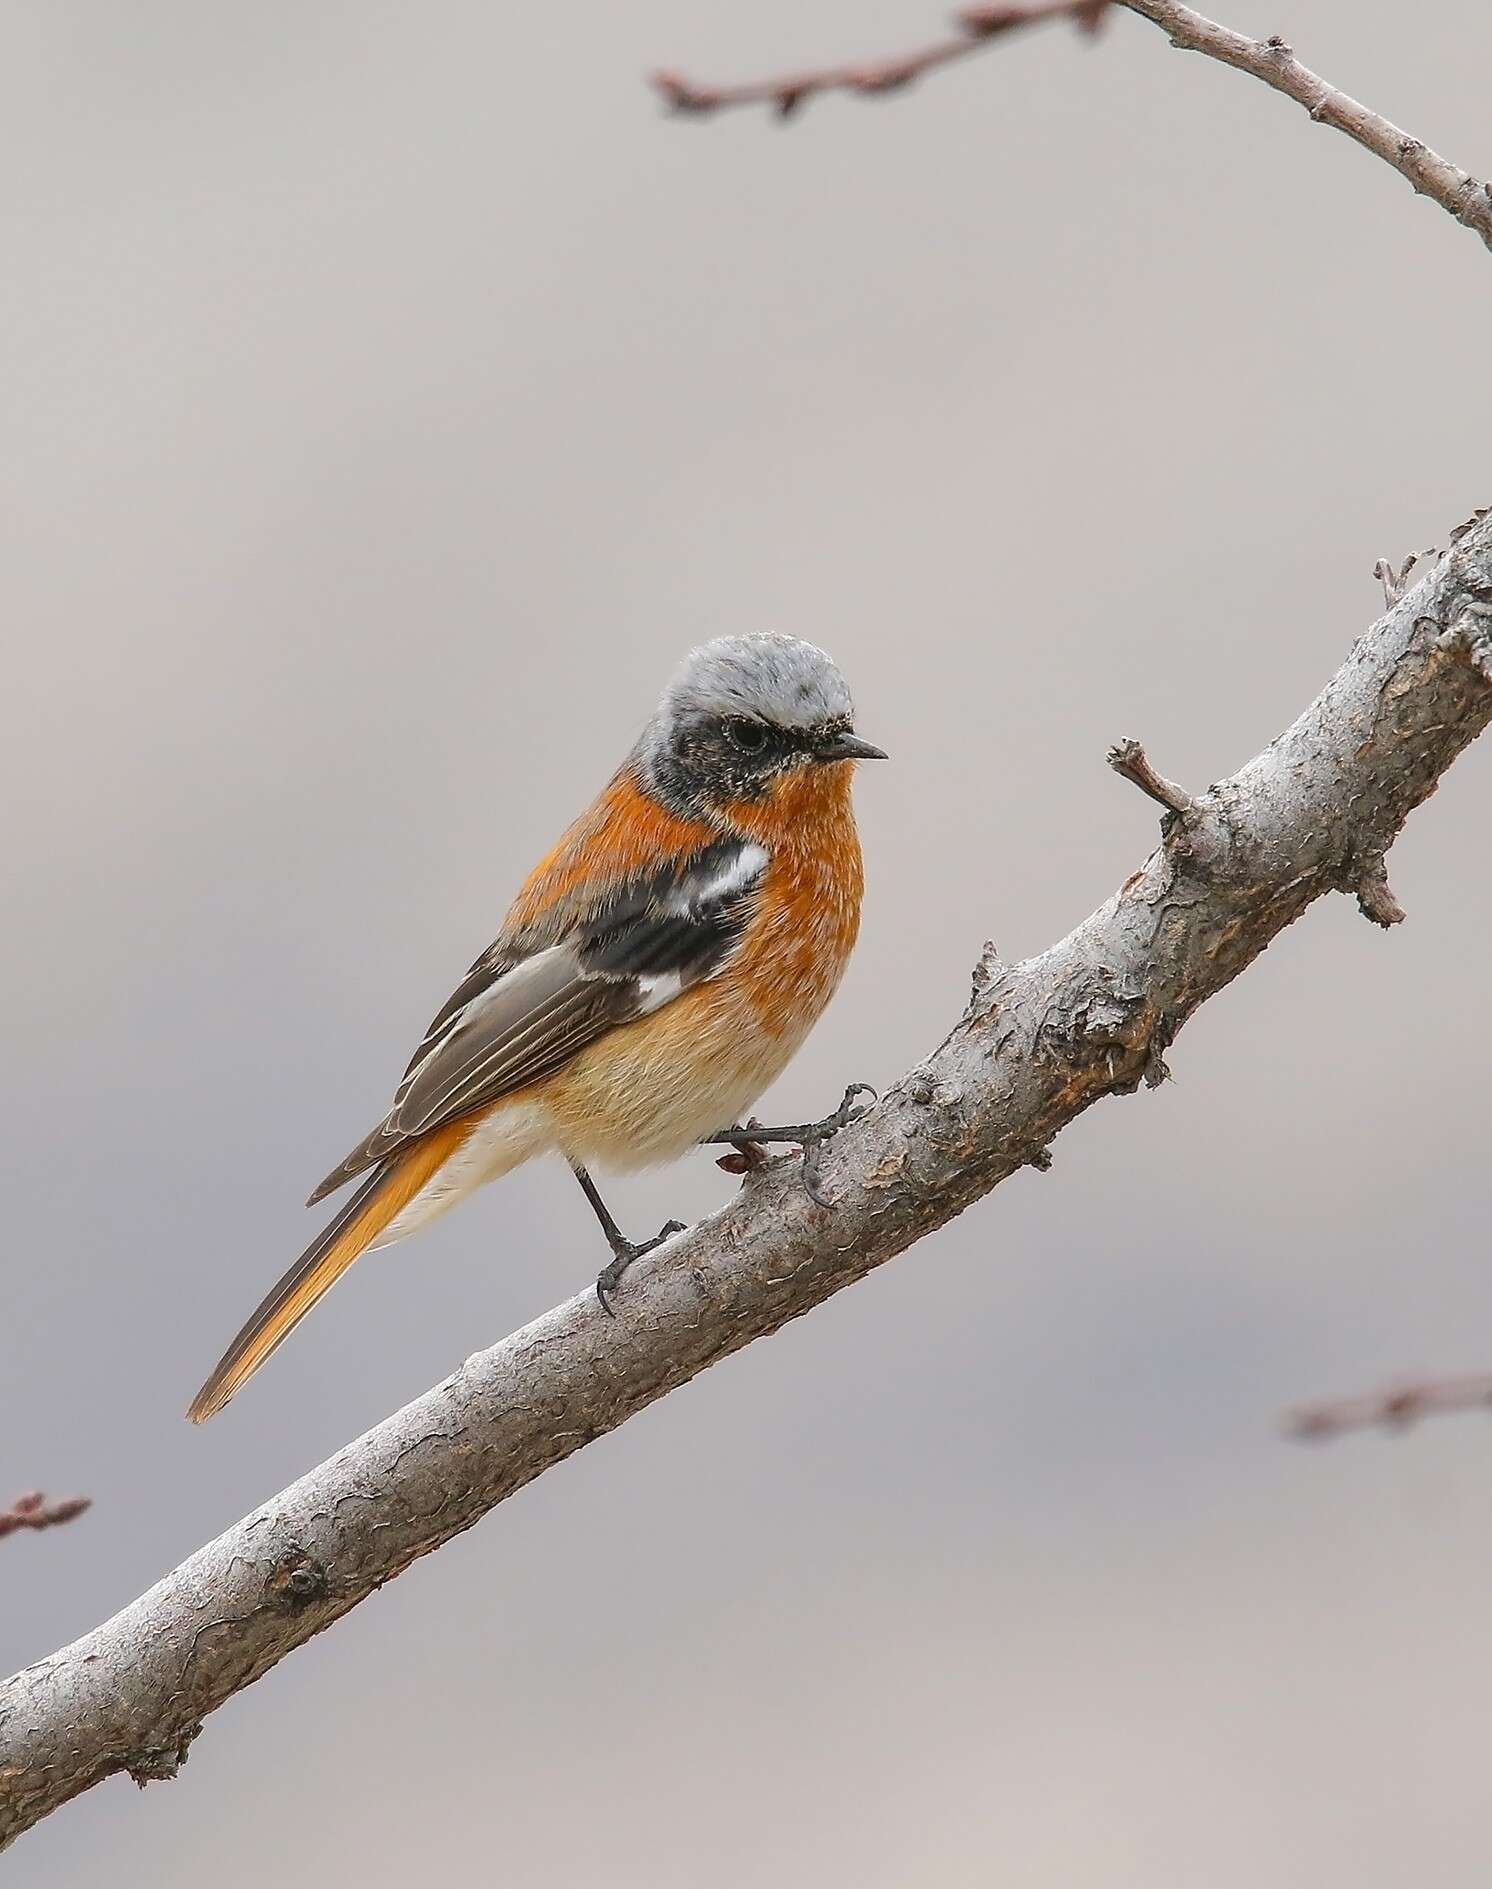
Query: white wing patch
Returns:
{"type": "Point", "coordinates": [655, 992]}
{"type": "Point", "coordinates": [735, 876]}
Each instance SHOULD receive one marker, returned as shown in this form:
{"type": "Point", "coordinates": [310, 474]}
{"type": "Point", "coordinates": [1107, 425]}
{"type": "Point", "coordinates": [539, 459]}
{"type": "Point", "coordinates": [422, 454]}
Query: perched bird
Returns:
{"type": "Point", "coordinates": [657, 971]}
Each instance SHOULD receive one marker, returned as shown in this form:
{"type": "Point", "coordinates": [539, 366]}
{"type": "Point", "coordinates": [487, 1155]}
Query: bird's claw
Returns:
{"type": "Point", "coordinates": [847, 1112]}
{"type": "Point", "coordinates": [610, 1276]}
{"type": "Point", "coordinates": [809, 1137]}
{"type": "Point", "coordinates": [812, 1143]}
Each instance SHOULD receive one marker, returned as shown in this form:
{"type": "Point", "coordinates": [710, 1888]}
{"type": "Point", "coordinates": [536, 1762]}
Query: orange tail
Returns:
{"type": "Point", "coordinates": [322, 1264]}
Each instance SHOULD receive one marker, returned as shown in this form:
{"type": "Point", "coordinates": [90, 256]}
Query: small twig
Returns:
{"type": "Point", "coordinates": [34, 1511]}
{"type": "Point", "coordinates": [1396, 582]}
{"type": "Point", "coordinates": [787, 92]}
{"type": "Point", "coordinates": [1375, 899]}
{"type": "Point", "coordinates": [1130, 760]}
{"type": "Point", "coordinates": [1389, 1409]}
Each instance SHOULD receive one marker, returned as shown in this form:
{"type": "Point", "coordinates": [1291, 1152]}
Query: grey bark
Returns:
{"type": "Point", "coordinates": [1038, 1043]}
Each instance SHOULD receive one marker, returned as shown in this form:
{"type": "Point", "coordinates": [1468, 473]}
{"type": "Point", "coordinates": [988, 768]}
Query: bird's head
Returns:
{"type": "Point", "coordinates": [745, 718]}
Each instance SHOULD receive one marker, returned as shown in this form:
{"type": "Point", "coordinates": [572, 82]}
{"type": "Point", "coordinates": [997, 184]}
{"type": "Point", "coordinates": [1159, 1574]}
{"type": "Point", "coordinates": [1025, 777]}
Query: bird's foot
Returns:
{"type": "Point", "coordinates": [623, 1252]}
{"type": "Point", "coordinates": [749, 1141]}
{"type": "Point", "coordinates": [746, 1156]}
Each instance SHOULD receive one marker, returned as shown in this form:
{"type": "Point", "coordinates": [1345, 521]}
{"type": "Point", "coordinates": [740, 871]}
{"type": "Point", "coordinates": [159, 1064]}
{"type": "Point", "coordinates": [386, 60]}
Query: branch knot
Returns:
{"type": "Point", "coordinates": [296, 1579]}
{"type": "Point", "coordinates": [156, 1764]}
{"type": "Point", "coordinates": [1469, 638]}
{"type": "Point", "coordinates": [1375, 899]}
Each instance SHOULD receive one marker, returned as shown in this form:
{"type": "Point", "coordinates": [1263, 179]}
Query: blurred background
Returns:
{"type": "Point", "coordinates": [390, 395]}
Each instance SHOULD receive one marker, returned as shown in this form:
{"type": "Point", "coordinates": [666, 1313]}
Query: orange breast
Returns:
{"type": "Point", "coordinates": [649, 1090]}
{"type": "Point", "coordinates": [792, 958]}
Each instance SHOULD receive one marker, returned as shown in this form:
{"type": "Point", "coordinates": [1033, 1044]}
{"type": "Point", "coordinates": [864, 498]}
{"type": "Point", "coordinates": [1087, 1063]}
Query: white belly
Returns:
{"type": "Point", "coordinates": [511, 1134]}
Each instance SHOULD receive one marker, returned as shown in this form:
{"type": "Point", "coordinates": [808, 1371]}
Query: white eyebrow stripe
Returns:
{"type": "Point", "coordinates": [735, 876]}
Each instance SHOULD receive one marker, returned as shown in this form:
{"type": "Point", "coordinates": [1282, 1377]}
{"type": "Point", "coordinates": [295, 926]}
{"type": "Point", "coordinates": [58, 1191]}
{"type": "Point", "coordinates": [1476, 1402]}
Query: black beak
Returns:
{"type": "Point", "coordinates": [848, 747]}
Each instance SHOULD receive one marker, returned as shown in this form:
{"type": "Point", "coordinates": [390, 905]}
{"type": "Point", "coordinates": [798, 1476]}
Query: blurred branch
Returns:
{"type": "Point", "coordinates": [34, 1511]}
{"type": "Point", "coordinates": [1467, 198]}
{"type": "Point", "coordinates": [1038, 1043]}
{"type": "Point", "coordinates": [976, 28]}
{"type": "Point", "coordinates": [1389, 1409]}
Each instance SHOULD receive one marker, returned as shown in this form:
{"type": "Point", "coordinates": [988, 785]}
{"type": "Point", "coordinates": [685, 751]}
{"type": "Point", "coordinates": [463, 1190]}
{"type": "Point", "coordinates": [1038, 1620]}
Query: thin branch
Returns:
{"type": "Point", "coordinates": [1039, 1042]}
{"type": "Point", "coordinates": [1129, 759]}
{"type": "Point", "coordinates": [789, 91]}
{"type": "Point", "coordinates": [1396, 581]}
{"type": "Point", "coordinates": [1467, 198]}
{"type": "Point", "coordinates": [34, 1511]}
{"type": "Point", "coordinates": [1392, 1409]}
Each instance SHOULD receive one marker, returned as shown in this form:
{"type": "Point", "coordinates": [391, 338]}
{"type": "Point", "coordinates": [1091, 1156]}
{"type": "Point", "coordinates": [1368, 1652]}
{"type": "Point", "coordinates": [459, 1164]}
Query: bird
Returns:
{"type": "Point", "coordinates": [658, 969]}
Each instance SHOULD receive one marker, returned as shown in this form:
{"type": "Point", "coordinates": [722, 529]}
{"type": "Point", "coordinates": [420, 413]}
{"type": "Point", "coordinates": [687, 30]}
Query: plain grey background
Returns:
{"type": "Point", "coordinates": [389, 396]}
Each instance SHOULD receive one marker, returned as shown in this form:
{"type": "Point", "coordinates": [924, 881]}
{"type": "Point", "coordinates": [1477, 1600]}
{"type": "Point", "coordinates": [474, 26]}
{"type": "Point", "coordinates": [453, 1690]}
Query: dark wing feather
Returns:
{"type": "Point", "coordinates": [527, 1007]}
{"type": "Point", "coordinates": [527, 1025]}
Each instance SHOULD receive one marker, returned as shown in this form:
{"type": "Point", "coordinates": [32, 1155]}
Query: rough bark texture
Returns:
{"type": "Point", "coordinates": [1038, 1043]}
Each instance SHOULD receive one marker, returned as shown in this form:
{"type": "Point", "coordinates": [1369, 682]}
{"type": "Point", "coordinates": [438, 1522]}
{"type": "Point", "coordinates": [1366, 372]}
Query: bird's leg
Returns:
{"type": "Point", "coordinates": [623, 1252]}
{"type": "Point", "coordinates": [749, 1141]}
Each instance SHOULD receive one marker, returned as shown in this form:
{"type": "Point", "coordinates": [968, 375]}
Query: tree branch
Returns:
{"type": "Point", "coordinates": [1389, 1409]}
{"type": "Point", "coordinates": [1038, 1043]}
{"type": "Point", "coordinates": [1467, 198]}
{"type": "Point", "coordinates": [785, 93]}
{"type": "Point", "coordinates": [34, 1511]}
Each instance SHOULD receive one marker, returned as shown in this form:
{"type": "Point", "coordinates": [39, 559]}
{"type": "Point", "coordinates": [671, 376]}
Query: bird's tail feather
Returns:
{"type": "Point", "coordinates": [352, 1232]}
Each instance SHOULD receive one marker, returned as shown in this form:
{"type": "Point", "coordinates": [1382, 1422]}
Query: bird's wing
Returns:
{"type": "Point", "coordinates": [521, 1014]}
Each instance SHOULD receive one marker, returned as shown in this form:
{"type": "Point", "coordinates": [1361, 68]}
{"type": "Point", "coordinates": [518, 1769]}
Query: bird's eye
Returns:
{"type": "Point", "coordinates": [749, 736]}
